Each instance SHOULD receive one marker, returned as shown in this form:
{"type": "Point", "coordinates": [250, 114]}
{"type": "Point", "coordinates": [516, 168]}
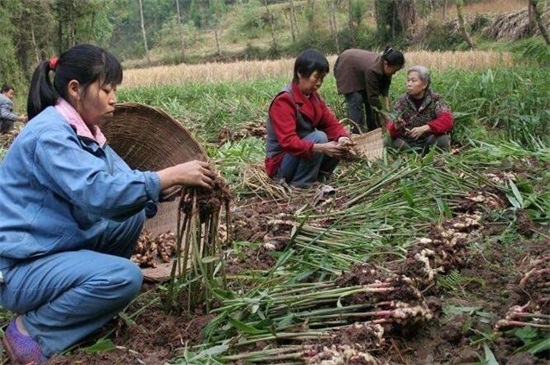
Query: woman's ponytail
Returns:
{"type": "Point", "coordinates": [42, 93]}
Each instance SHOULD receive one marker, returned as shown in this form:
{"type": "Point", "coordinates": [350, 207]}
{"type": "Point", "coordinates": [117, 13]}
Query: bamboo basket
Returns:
{"type": "Point", "coordinates": [368, 146]}
{"type": "Point", "coordinates": [148, 139]}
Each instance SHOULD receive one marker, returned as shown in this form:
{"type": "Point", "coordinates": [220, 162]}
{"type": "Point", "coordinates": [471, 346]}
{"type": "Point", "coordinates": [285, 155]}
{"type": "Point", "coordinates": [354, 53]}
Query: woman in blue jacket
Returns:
{"type": "Point", "coordinates": [71, 210]}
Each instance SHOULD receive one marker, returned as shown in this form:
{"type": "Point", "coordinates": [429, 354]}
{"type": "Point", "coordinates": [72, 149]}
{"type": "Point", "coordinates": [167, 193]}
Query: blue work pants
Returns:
{"type": "Point", "coordinates": [65, 296]}
{"type": "Point", "coordinates": [302, 172]}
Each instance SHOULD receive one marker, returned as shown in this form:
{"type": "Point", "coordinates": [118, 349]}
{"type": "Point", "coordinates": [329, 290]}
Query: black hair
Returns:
{"type": "Point", "coordinates": [308, 62]}
{"type": "Point", "coordinates": [393, 57]}
{"type": "Point", "coordinates": [6, 88]}
{"type": "Point", "coordinates": [84, 63]}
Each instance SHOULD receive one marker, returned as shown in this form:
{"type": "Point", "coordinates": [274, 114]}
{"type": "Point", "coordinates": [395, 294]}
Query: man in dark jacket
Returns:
{"type": "Point", "coordinates": [362, 77]}
{"type": "Point", "coordinates": [7, 117]}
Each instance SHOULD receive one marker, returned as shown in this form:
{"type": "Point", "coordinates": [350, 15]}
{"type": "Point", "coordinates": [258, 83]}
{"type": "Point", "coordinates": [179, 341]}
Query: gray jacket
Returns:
{"type": "Point", "coordinates": [6, 109]}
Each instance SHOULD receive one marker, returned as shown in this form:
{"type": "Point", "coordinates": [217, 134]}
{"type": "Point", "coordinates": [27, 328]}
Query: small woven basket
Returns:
{"type": "Point", "coordinates": [148, 139]}
{"type": "Point", "coordinates": [368, 146]}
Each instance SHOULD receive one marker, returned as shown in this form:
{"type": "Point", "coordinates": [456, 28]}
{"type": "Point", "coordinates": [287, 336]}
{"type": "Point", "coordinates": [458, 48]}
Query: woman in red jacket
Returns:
{"type": "Point", "coordinates": [303, 135]}
{"type": "Point", "coordinates": [423, 119]}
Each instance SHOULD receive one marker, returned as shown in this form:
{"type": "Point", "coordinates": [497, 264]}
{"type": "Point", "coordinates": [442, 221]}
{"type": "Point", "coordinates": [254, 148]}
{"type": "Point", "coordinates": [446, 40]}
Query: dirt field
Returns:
{"type": "Point", "coordinates": [483, 298]}
{"type": "Point", "coordinates": [487, 287]}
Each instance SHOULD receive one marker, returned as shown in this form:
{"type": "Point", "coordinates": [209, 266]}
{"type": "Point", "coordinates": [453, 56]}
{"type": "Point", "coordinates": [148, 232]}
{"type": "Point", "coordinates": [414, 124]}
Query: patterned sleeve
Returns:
{"type": "Point", "coordinates": [399, 104]}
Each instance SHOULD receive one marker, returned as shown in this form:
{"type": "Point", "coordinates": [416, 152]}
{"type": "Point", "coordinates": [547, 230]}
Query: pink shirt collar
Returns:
{"type": "Point", "coordinates": [73, 118]}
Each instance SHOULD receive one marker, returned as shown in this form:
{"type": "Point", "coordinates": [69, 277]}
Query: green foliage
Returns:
{"type": "Point", "coordinates": [535, 341]}
{"type": "Point", "coordinates": [385, 11]}
{"type": "Point", "coordinates": [208, 108]}
{"type": "Point", "coordinates": [50, 27]}
{"type": "Point", "coordinates": [493, 105]}
{"type": "Point", "coordinates": [9, 68]}
{"type": "Point", "coordinates": [215, 12]}
{"type": "Point", "coordinates": [232, 156]}
{"type": "Point", "coordinates": [169, 35]}
{"type": "Point", "coordinates": [436, 37]}
{"type": "Point", "coordinates": [454, 280]}
{"type": "Point", "coordinates": [532, 51]}
{"type": "Point", "coordinates": [196, 13]}
{"type": "Point", "coordinates": [80, 22]}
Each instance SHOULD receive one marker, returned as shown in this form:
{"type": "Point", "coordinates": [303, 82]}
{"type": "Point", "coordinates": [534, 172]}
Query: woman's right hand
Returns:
{"type": "Point", "coordinates": [332, 149]}
{"type": "Point", "coordinates": [192, 173]}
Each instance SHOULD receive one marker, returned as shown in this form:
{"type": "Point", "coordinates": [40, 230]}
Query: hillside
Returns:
{"type": "Point", "coordinates": [253, 31]}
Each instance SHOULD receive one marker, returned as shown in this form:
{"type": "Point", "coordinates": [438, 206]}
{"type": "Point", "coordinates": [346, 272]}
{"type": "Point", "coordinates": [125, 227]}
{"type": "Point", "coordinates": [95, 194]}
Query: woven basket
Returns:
{"type": "Point", "coordinates": [368, 146]}
{"type": "Point", "coordinates": [148, 139]}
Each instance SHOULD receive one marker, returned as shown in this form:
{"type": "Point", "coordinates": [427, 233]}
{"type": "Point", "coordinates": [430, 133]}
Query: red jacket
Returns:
{"type": "Point", "coordinates": [283, 119]}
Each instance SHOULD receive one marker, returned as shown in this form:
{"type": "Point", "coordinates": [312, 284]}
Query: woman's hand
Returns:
{"type": "Point", "coordinates": [399, 125]}
{"type": "Point", "coordinates": [332, 149]}
{"type": "Point", "coordinates": [417, 132]}
{"type": "Point", "coordinates": [192, 173]}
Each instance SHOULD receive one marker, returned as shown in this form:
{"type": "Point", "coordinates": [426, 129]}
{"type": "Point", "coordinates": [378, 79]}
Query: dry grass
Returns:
{"type": "Point", "coordinates": [464, 60]}
{"type": "Point", "coordinates": [491, 7]}
{"type": "Point", "coordinates": [207, 72]}
{"type": "Point", "coordinates": [250, 70]}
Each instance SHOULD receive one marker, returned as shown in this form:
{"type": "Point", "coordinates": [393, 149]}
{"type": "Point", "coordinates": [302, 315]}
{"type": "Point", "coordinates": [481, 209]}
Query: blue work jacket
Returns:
{"type": "Point", "coordinates": [58, 191]}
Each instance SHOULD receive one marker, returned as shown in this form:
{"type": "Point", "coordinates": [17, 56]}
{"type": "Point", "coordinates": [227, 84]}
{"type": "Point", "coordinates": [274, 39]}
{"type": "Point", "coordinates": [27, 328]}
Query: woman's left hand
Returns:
{"type": "Point", "coordinates": [417, 132]}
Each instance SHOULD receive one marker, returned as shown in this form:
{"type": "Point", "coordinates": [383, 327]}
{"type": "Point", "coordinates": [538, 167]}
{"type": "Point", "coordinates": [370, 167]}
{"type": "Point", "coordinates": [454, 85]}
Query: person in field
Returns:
{"type": "Point", "coordinates": [304, 138]}
{"type": "Point", "coordinates": [364, 77]}
{"type": "Point", "coordinates": [423, 119]}
{"type": "Point", "coordinates": [7, 116]}
{"type": "Point", "coordinates": [71, 210]}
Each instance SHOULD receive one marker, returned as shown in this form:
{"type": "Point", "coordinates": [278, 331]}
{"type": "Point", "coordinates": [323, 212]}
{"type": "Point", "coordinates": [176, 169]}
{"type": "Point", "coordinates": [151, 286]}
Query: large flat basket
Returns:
{"type": "Point", "coordinates": [148, 139]}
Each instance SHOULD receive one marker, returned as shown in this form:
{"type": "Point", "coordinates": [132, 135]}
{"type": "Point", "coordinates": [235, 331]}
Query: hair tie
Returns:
{"type": "Point", "coordinates": [53, 63]}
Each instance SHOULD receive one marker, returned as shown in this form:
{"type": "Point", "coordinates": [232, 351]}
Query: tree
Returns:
{"type": "Point", "coordinates": [350, 23]}
{"type": "Point", "coordinates": [216, 10]}
{"type": "Point", "coordinates": [196, 13]}
{"type": "Point", "coordinates": [293, 27]}
{"type": "Point", "coordinates": [538, 19]}
{"type": "Point", "coordinates": [333, 24]}
{"type": "Point", "coordinates": [9, 67]}
{"type": "Point", "coordinates": [406, 12]}
{"type": "Point", "coordinates": [356, 10]}
{"type": "Point", "coordinates": [65, 15]}
{"type": "Point", "coordinates": [143, 31]}
{"type": "Point", "coordinates": [310, 15]}
{"type": "Point", "coordinates": [530, 18]}
{"type": "Point", "coordinates": [180, 29]}
{"type": "Point", "coordinates": [394, 18]}
{"type": "Point", "coordinates": [462, 25]}
{"type": "Point", "coordinates": [275, 46]}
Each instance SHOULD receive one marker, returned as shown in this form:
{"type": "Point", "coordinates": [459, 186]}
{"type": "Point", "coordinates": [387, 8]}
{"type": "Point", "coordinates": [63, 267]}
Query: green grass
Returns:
{"type": "Point", "coordinates": [493, 105]}
{"type": "Point", "coordinates": [503, 120]}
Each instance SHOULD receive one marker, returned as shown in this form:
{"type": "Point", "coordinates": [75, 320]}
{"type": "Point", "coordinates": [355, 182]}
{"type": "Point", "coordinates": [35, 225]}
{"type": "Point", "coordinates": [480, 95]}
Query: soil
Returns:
{"type": "Point", "coordinates": [152, 337]}
{"type": "Point", "coordinates": [492, 281]}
